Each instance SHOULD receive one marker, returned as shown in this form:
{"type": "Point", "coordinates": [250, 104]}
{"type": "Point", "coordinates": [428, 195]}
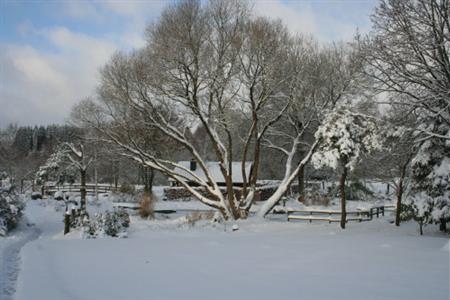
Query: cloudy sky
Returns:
{"type": "Point", "coordinates": [50, 51]}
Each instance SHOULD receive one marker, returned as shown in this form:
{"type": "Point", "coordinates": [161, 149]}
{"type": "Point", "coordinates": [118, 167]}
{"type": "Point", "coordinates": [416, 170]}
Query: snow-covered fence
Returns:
{"type": "Point", "coordinates": [90, 188]}
{"type": "Point", "coordinates": [326, 215]}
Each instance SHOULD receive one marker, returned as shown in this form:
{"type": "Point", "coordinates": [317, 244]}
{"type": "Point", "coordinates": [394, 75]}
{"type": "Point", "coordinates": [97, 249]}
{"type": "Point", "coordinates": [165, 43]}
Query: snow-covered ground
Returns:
{"type": "Point", "coordinates": [268, 259]}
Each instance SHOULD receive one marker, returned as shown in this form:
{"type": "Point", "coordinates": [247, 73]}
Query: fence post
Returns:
{"type": "Point", "coordinates": [66, 222]}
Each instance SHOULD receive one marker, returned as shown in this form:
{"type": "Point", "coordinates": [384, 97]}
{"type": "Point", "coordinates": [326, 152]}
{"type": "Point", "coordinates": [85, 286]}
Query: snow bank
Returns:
{"type": "Point", "coordinates": [262, 260]}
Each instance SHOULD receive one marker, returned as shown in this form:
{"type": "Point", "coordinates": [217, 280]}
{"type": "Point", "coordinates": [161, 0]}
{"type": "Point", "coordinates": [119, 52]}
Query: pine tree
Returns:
{"type": "Point", "coordinates": [431, 179]}
{"type": "Point", "coordinates": [344, 136]}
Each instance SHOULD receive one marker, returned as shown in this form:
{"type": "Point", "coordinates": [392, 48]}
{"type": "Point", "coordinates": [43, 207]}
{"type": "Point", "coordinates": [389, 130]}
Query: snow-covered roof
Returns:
{"type": "Point", "coordinates": [214, 170]}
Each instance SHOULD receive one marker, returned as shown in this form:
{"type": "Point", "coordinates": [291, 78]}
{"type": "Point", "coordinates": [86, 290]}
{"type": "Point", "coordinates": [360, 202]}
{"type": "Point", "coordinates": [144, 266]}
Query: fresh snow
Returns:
{"type": "Point", "coordinates": [264, 259]}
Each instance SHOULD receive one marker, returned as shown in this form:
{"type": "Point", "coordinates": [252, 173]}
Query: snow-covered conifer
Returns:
{"type": "Point", "coordinates": [344, 136]}
{"type": "Point", "coordinates": [11, 206]}
{"type": "Point", "coordinates": [431, 180]}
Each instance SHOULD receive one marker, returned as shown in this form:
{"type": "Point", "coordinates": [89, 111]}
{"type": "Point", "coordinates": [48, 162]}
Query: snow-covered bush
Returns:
{"type": "Point", "coordinates": [430, 188]}
{"type": "Point", "coordinates": [54, 169]}
{"type": "Point", "coordinates": [113, 224]}
{"type": "Point", "coordinates": [6, 185]}
{"type": "Point", "coordinates": [127, 188]}
{"type": "Point", "coordinates": [36, 195]}
{"type": "Point", "coordinates": [357, 191]}
{"type": "Point", "coordinates": [11, 206]}
{"type": "Point", "coordinates": [124, 197]}
{"type": "Point", "coordinates": [344, 137]}
{"type": "Point", "coordinates": [197, 216]}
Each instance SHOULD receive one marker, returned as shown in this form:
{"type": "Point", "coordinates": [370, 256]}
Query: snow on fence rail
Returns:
{"type": "Point", "coordinates": [326, 215]}
{"type": "Point", "coordinates": [90, 188]}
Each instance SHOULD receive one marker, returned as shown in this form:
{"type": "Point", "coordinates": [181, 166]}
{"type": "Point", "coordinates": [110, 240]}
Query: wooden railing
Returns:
{"type": "Point", "coordinates": [327, 215]}
{"type": "Point", "coordinates": [76, 187]}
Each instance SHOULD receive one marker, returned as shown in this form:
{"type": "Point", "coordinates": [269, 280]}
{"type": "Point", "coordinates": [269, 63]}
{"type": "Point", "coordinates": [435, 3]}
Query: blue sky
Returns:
{"type": "Point", "coordinates": [50, 51]}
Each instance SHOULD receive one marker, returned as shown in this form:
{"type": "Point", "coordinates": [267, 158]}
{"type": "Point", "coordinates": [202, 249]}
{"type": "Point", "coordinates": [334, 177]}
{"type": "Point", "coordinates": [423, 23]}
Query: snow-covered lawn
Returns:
{"type": "Point", "coordinates": [270, 259]}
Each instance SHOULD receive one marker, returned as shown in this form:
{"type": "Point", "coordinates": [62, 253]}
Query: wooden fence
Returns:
{"type": "Point", "coordinates": [76, 187]}
{"type": "Point", "coordinates": [327, 215]}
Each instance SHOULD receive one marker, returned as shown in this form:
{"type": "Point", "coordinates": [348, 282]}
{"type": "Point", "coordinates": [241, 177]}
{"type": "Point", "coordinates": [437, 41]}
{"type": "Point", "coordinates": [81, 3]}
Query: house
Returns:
{"type": "Point", "coordinates": [214, 170]}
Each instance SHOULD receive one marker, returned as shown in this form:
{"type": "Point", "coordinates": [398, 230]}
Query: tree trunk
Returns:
{"type": "Point", "coordinates": [289, 177]}
{"type": "Point", "coordinates": [66, 222]}
{"type": "Point", "coordinates": [301, 184]}
{"type": "Point", "coordinates": [442, 225]}
{"type": "Point", "coordinates": [421, 226]}
{"type": "Point", "coordinates": [231, 201]}
{"type": "Point", "coordinates": [115, 171]}
{"type": "Point", "coordinates": [149, 175]}
{"type": "Point", "coordinates": [400, 190]}
{"type": "Point", "coordinates": [342, 194]}
{"type": "Point", "coordinates": [399, 202]}
{"type": "Point", "coordinates": [83, 189]}
{"type": "Point", "coordinates": [96, 179]}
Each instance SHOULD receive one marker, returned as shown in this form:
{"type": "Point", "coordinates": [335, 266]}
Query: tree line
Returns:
{"type": "Point", "coordinates": [215, 82]}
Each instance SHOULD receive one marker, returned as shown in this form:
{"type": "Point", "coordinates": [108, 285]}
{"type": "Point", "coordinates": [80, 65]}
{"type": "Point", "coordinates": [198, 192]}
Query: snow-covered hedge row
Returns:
{"type": "Point", "coordinates": [113, 224]}
{"type": "Point", "coordinates": [11, 206]}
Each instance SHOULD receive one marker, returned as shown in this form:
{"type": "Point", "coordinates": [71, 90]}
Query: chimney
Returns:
{"type": "Point", "coordinates": [193, 165]}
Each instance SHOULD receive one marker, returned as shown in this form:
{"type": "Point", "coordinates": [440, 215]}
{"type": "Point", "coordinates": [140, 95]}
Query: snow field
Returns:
{"type": "Point", "coordinates": [268, 259]}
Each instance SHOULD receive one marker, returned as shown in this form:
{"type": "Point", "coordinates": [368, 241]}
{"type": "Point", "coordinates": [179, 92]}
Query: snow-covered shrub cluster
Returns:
{"type": "Point", "coordinates": [197, 216]}
{"type": "Point", "coordinates": [127, 188]}
{"type": "Point", "coordinates": [5, 183]}
{"type": "Point", "coordinates": [113, 224]}
{"type": "Point", "coordinates": [11, 207]}
{"type": "Point", "coordinates": [344, 137]}
{"type": "Point", "coordinates": [124, 197]}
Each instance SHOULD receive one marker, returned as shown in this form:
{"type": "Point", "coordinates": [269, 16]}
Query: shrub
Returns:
{"type": "Point", "coordinates": [357, 191]}
{"type": "Point", "coordinates": [313, 196]}
{"type": "Point", "coordinates": [353, 191]}
{"type": "Point", "coordinates": [113, 224]}
{"type": "Point", "coordinates": [127, 188]}
{"type": "Point", "coordinates": [11, 207]}
{"type": "Point", "coordinates": [146, 206]}
{"type": "Point", "coordinates": [36, 195]}
{"type": "Point", "coordinates": [197, 216]}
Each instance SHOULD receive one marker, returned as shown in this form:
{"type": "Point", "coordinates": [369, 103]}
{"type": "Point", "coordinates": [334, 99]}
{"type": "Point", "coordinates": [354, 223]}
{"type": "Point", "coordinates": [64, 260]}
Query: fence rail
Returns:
{"type": "Point", "coordinates": [327, 215]}
{"type": "Point", "coordinates": [90, 188]}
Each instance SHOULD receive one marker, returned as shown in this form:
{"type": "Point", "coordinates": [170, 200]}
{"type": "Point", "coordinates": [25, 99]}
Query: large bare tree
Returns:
{"type": "Point", "coordinates": [325, 76]}
{"type": "Point", "coordinates": [204, 63]}
{"type": "Point", "coordinates": [407, 56]}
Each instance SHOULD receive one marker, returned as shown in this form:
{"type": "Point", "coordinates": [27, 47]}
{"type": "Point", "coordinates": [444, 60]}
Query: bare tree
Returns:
{"type": "Point", "coordinates": [407, 56]}
{"type": "Point", "coordinates": [265, 58]}
{"type": "Point", "coordinates": [78, 158]}
{"type": "Point", "coordinates": [191, 67]}
{"type": "Point", "coordinates": [326, 77]}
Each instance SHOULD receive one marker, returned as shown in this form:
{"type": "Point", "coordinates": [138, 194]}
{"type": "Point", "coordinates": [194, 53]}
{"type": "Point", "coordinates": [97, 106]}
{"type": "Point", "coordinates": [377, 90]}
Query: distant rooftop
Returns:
{"type": "Point", "coordinates": [214, 170]}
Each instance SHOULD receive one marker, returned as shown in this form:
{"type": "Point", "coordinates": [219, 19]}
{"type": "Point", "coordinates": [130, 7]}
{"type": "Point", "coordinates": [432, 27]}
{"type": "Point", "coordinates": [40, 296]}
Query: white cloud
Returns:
{"type": "Point", "coordinates": [40, 87]}
{"type": "Point", "coordinates": [39, 84]}
{"type": "Point", "coordinates": [298, 18]}
{"type": "Point", "coordinates": [132, 8]}
{"type": "Point", "coordinates": [82, 10]}
{"type": "Point", "coordinates": [304, 17]}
